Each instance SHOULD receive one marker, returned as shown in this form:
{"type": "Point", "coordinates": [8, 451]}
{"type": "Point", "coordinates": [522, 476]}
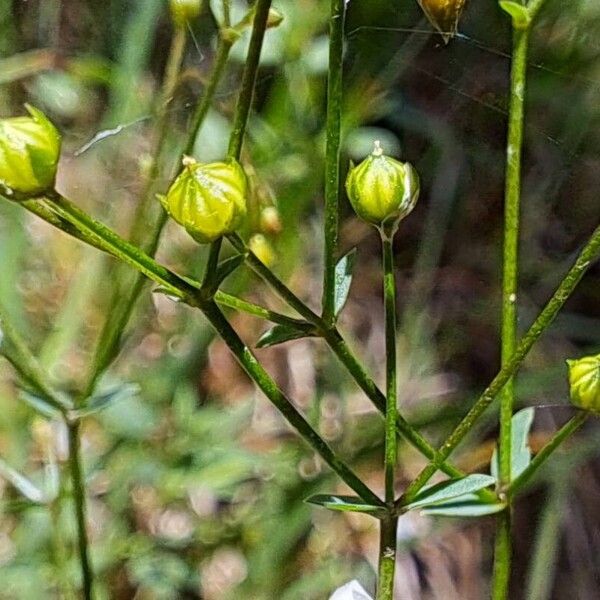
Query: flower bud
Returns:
{"type": "Point", "coordinates": [443, 15]}
{"type": "Point", "coordinates": [270, 221]}
{"type": "Point", "coordinates": [209, 200]}
{"type": "Point", "coordinates": [29, 153]}
{"type": "Point", "coordinates": [382, 190]}
{"type": "Point", "coordinates": [263, 250]}
{"type": "Point", "coordinates": [183, 11]}
{"type": "Point", "coordinates": [275, 18]}
{"type": "Point", "coordinates": [584, 380]}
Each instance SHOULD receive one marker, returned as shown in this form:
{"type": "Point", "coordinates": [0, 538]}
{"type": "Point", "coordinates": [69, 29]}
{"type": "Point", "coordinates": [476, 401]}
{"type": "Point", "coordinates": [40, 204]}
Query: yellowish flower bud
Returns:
{"type": "Point", "coordinates": [29, 153]}
{"type": "Point", "coordinates": [584, 380]}
{"type": "Point", "coordinates": [382, 190]}
{"type": "Point", "coordinates": [443, 15]}
{"type": "Point", "coordinates": [209, 200]}
{"type": "Point", "coordinates": [274, 19]}
{"type": "Point", "coordinates": [262, 248]}
{"type": "Point", "coordinates": [183, 11]}
{"type": "Point", "coordinates": [270, 222]}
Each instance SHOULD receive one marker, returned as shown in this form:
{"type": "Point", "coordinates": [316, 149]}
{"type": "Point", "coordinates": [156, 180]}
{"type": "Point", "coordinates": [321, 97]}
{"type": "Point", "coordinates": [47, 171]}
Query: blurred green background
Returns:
{"type": "Point", "coordinates": [196, 484]}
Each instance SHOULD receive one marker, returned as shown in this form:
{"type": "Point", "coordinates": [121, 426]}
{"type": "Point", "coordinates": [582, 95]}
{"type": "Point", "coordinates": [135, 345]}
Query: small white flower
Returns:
{"type": "Point", "coordinates": [350, 591]}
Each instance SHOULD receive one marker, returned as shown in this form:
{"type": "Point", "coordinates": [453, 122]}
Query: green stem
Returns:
{"type": "Point", "coordinates": [544, 454]}
{"type": "Point", "coordinates": [218, 70]}
{"type": "Point", "coordinates": [332, 155]}
{"type": "Point", "coordinates": [387, 558]}
{"type": "Point", "coordinates": [502, 556]}
{"type": "Point", "coordinates": [587, 256]}
{"type": "Point", "coordinates": [391, 413]}
{"type": "Point", "coordinates": [78, 484]}
{"type": "Point", "coordinates": [254, 369]}
{"type": "Point", "coordinates": [212, 264]}
{"type": "Point", "coordinates": [511, 241]}
{"type": "Point", "coordinates": [244, 104]}
{"type": "Point", "coordinates": [110, 241]}
{"type": "Point", "coordinates": [509, 299]}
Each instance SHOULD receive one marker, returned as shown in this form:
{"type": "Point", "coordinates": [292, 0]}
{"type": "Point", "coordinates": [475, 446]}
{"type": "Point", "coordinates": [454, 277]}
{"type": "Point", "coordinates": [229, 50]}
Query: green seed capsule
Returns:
{"type": "Point", "coordinates": [584, 379]}
{"type": "Point", "coordinates": [29, 153]}
{"type": "Point", "coordinates": [382, 190]}
{"type": "Point", "coordinates": [443, 15]}
{"type": "Point", "coordinates": [183, 11]}
{"type": "Point", "coordinates": [209, 200]}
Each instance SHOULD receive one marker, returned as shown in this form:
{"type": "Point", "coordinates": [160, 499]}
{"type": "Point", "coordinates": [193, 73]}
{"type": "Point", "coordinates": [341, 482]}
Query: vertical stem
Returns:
{"type": "Point", "coordinates": [242, 109]}
{"type": "Point", "coordinates": [391, 412]}
{"type": "Point", "coordinates": [244, 104]}
{"type": "Point", "coordinates": [387, 558]}
{"type": "Point", "coordinates": [78, 484]}
{"type": "Point", "coordinates": [387, 541]}
{"type": "Point", "coordinates": [509, 298]}
{"type": "Point", "coordinates": [223, 50]}
{"type": "Point", "coordinates": [332, 158]}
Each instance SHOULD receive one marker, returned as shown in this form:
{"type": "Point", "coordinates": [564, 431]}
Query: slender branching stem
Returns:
{"type": "Point", "coordinates": [512, 203]}
{"type": "Point", "coordinates": [589, 254]}
{"type": "Point", "coordinates": [332, 155]}
{"type": "Point", "coordinates": [254, 369]}
{"type": "Point", "coordinates": [101, 237]}
{"type": "Point", "coordinates": [79, 500]}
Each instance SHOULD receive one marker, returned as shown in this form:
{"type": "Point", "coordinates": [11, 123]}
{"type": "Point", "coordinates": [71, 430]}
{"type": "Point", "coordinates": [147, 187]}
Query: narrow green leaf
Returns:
{"type": "Point", "coordinates": [343, 280]}
{"type": "Point", "coordinates": [227, 267]}
{"type": "Point", "coordinates": [518, 12]}
{"type": "Point", "coordinates": [280, 334]}
{"type": "Point", "coordinates": [345, 504]}
{"type": "Point", "coordinates": [520, 453]}
{"type": "Point", "coordinates": [102, 400]}
{"type": "Point", "coordinates": [21, 483]}
{"type": "Point", "coordinates": [39, 404]}
{"type": "Point", "coordinates": [468, 505]}
{"type": "Point", "coordinates": [447, 490]}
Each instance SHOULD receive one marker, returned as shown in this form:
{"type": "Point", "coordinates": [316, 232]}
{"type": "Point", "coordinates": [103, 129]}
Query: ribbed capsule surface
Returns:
{"type": "Point", "coordinates": [381, 189]}
{"type": "Point", "coordinates": [208, 200]}
{"type": "Point", "coordinates": [584, 381]}
{"type": "Point", "coordinates": [444, 15]}
{"type": "Point", "coordinates": [29, 153]}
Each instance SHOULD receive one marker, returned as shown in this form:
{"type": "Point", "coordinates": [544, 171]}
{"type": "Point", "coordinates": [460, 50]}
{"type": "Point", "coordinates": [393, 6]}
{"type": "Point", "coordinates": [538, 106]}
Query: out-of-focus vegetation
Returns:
{"type": "Point", "coordinates": [196, 484]}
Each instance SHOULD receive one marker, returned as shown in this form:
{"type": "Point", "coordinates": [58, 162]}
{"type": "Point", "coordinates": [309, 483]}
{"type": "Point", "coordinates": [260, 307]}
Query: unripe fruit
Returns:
{"type": "Point", "coordinates": [382, 190]}
{"type": "Point", "coordinates": [29, 153]}
{"type": "Point", "coordinates": [183, 11]}
{"type": "Point", "coordinates": [209, 200]}
{"type": "Point", "coordinates": [443, 15]}
{"type": "Point", "coordinates": [584, 380]}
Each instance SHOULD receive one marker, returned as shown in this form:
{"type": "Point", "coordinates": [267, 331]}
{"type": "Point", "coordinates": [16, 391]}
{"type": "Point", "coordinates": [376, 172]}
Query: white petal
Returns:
{"type": "Point", "coordinates": [351, 591]}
